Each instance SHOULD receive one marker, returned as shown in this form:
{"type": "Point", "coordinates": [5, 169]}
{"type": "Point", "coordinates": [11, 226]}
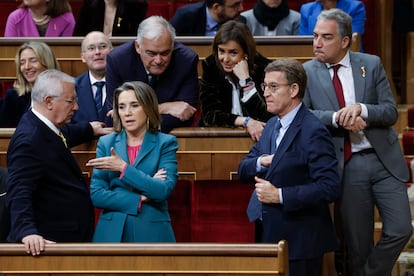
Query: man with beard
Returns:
{"type": "Point", "coordinates": [204, 18]}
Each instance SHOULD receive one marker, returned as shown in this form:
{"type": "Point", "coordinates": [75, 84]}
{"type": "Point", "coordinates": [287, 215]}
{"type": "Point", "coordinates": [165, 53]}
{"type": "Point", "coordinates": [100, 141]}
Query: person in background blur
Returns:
{"type": "Point", "coordinates": [135, 171]}
{"type": "Point", "coordinates": [272, 17]}
{"type": "Point", "coordinates": [48, 18]}
{"type": "Point", "coordinates": [90, 86]}
{"type": "Point", "coordinates": [204, 18]}
{"type": "Point", "coordinates": [112, 17]}
{"type": "Point", "coordinates": [309, 14]}
{"type": "Point", "coordinates": [32, 58]}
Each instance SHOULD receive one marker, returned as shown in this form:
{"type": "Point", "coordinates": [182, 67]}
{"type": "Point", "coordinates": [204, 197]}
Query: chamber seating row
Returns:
{"type": "Point", "coordinates": [148, 259]}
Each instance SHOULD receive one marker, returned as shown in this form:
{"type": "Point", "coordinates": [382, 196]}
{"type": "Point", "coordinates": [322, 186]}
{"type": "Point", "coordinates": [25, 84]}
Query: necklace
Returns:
{"type": "Point", "coordinates": [42, 21]}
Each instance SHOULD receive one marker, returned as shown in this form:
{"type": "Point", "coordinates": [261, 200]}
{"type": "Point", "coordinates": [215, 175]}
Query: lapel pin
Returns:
{"type": "Point", "coordinates": [363, 71]}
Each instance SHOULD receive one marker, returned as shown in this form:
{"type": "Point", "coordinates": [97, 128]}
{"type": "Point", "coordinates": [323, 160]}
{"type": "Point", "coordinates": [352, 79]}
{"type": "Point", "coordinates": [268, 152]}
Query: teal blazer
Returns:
{"type": "Point", "coordinates": [121, 219]}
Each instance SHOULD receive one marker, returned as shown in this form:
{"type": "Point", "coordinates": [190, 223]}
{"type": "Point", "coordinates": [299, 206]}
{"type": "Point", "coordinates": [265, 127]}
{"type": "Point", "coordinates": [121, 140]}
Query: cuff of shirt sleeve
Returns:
{"type": "Point", "coordinates": [280, 195]}
{"type": "Point", "coordinates": [123, 171]}
{"type": "Point", "coordinates": [248, 95]}
{"type": "Point", "coordinates": [334, 121]}
{"type": "Point", "coordinates": [140, 204]}
{"type": "Point", "coordinates": [364, 111]}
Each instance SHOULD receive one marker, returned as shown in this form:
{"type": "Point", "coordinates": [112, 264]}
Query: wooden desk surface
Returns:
{"type": "Point", "coordinates": [149, 258]}
{"type": "Point", "coordinates": [203, 153]}
{"type": "Point", "coordinates": [67, 50]}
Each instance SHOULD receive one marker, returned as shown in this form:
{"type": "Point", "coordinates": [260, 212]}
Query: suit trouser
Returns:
{"type": "Point", "coordinates": [367, 183]}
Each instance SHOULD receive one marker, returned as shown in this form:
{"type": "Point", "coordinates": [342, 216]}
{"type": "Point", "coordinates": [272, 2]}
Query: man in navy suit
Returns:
{"type": "Point", "coordinates": [95, 47]}
{"type": "Point", "coordinates": [375, 172]}
{"type": "Point", "coordinates": [168, 66]}
{"type": "Point", "coordinates": [294, 168]}
{"type": "Point", "coordinates": [204, 18]}
{"type": "Point", "coordinates": [47, 196]}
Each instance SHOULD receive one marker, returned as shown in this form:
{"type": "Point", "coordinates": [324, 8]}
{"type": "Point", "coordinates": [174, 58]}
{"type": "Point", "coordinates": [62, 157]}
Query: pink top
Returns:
{"type": "Point", "coordinates": [133, 153]}
{"type": "Point", "coordinates": [20, 24]}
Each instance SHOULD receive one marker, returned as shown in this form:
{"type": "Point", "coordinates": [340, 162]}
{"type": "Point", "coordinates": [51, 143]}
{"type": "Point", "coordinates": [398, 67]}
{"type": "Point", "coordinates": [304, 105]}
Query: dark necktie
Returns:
{"type": "Point", "coordinates": [98, 95]}
{"type": "Point", "coordinates": [152, 80]}
{"type": "Point", "coordinates": [276, 131]}
{"type": "Point", "coordinates": [341, 101]}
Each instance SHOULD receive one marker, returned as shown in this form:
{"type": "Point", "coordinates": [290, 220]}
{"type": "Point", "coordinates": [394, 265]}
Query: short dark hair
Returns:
{"type": "Point", "coordinates": [343, 20]}
{"type": "Point", "coordinates": [210, 3]}
{"type": "Point", "coordinates": [294, 72]}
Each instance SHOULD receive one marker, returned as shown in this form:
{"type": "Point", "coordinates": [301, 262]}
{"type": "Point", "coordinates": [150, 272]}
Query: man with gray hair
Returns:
{"type": "Point", "coordinates": [167, 65]}
{"type": "Point", "coordinates": [47, 196]}
{"type": "Point", "coordinates": [349, 92]}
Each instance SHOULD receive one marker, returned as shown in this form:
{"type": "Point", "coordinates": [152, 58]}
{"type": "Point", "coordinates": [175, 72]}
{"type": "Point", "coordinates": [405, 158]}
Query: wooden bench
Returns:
{"type": "Point", "coordinates": [148, 259]}
{"type": "Point", "coordinates": [203, 154]}
{"type": "Point", "coordinates": [67, 50]}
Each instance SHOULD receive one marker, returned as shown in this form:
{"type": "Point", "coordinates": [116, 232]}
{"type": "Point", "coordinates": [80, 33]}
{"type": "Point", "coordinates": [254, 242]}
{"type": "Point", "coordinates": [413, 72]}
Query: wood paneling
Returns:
{"type": "Point", "coordinates": [203, 153]}
{"type": "Point", "coordinates": [149, 259]}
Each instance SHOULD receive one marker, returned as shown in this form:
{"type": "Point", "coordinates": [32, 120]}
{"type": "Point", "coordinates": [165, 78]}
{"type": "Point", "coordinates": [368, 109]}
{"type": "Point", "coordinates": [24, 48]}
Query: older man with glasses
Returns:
{"type": "Point", "coordinates": [47, 196]}
{"type": "Point", "coordinates": [95, 101]}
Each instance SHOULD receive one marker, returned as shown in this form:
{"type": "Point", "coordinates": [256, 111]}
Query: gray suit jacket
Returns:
{"type": "Point", "coordinates": [287, 26]}
{"type": "Point", "coordinates": [372, 89]}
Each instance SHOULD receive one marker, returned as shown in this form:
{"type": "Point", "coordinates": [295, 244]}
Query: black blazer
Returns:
{"type": "Point", "coordinates": [129, 14]}
{"type": "Point", "coordinates": [4, 214]}
{"type": "Point", "coordinates": [216, 95]}
{"type": "Point", "coordinates": [46, 191]}
{"type": "Point", "coordinates": [191, 20]}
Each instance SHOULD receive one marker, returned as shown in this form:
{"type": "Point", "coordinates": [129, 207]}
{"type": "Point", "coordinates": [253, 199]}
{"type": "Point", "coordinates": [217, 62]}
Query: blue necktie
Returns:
{"type": "Point", "coordinates": [98, 95]}
{"type": "Point", "coordinates": [276, 131]}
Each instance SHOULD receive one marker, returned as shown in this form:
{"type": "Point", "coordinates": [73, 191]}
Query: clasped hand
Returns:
{"type": "Point", "coordinates": [349, 118]}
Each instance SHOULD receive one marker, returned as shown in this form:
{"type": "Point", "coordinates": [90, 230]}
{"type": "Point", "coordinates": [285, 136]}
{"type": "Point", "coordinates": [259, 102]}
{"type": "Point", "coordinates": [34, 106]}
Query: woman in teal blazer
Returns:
{"type": "Point", "coordinates": [135, 171]}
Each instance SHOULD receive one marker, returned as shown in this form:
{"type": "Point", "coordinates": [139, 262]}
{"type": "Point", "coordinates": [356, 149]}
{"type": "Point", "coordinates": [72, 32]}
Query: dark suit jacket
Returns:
{"type": "Point", "coordinates": [46, 191]}
{"type": "Point", "coordinates": [129, 14]}
{"type": "Point", "coordinates": [4, 214]}
{"type": "Point", "coordinates": [305, 168]}
{"type": "Point", "coordinates": [12, 107]}
{"type": "Point", "coordinates": [179, 82]}
{"type": "Point", "coordinates": [87, 110]}
{"type": "Point", "coordinates": [216, 95]}
{"type": "Point", "coordinates": [191, 19]}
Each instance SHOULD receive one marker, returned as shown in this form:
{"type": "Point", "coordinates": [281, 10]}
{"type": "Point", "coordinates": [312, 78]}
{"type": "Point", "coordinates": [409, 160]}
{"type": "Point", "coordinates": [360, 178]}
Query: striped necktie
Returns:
{"type": "Point", "coordinates": [98, 95]}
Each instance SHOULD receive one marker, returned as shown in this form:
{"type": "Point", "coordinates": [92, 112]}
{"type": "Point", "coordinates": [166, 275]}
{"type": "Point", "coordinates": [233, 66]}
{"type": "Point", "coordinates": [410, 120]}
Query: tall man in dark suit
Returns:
{"type": "Point", "coordinates": [93, 102]}
{"type": "Point", "coordinates": [204, 18]}
{"type": "Point", "coordinates": [46, 195]}
{"type": "Point", "coordinates": [168, 66]}
{"type": "Point", "coordinates": [370, 158]}
{"type": "Point", "coordinates": [295, 171]}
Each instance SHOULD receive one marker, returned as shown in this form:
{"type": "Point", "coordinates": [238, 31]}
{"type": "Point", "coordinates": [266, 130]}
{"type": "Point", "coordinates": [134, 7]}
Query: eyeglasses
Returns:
{"type": "Point", "coordinates": [273, 87]}
{"type": "Point", "coordinates": [72, 101]}
{"type": "Point", "coordinates": [100, 47]}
